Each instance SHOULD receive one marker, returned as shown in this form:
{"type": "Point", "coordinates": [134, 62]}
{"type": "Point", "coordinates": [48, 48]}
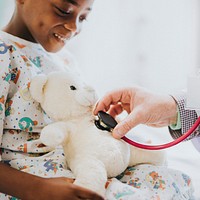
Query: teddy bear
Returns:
{"type": "Point", "coordinates": [92, 155]}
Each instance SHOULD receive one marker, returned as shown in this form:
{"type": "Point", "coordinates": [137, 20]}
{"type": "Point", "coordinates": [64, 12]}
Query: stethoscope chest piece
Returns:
{"type": "Point", "coordinates": [105, 121]}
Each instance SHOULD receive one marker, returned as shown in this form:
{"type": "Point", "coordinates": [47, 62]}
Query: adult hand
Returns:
{"type": "Point", "coordinates": [63, 189]}
{"type": "Point", "coordinates": [142, 106]}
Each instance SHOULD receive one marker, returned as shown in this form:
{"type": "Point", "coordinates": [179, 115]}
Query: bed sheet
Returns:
{"type": "Point", "coordinates": [183, 157]}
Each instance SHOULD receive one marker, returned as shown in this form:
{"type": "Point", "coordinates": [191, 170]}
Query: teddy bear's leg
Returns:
{"type": "Point", "coordinates": [90, 173]}
{"type": "Point", "coordinates": [139, 156]}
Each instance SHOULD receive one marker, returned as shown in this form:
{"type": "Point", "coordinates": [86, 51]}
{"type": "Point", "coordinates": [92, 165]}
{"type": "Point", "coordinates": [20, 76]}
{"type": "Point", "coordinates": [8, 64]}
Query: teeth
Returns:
{"type": "Point", "coordinates": [60, 37]}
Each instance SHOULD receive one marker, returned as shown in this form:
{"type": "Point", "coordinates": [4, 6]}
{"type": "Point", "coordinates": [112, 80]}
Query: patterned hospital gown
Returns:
{"type": "Point", "coordinates": [21, 120]}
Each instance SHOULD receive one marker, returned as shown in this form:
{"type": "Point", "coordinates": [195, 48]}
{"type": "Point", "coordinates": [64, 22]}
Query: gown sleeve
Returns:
{"type": "Point", "coordinates": [5, 78]}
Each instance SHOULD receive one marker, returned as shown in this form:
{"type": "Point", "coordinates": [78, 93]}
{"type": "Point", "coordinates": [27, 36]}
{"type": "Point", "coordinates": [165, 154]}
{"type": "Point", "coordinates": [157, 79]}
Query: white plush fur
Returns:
{"type": "Point", "coordinates": [92, 155]}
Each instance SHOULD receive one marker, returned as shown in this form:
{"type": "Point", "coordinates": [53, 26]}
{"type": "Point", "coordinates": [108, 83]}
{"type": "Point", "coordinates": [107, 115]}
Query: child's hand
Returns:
{"type": "Point", "coordinates": [30, 187]}
{"type": "Point", "coordinates": [63, 189]}
{"type": "Point", "coordinates": [142, 107]}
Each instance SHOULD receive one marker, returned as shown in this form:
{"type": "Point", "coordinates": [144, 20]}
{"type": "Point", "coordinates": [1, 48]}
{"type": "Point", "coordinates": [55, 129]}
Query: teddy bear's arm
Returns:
{"type": "Point", "coordinates": [55, 134]}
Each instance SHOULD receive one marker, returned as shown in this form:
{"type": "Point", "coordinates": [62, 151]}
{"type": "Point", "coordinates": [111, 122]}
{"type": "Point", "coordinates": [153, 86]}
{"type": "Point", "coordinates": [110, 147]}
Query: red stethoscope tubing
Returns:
{"type": "Point", "coordinates": [167, 145]}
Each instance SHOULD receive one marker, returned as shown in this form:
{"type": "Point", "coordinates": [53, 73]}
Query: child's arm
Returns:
{"type": "Point", "coordinates": [16, 183]}
{"type": "Point", "coordinates": [27, 187]}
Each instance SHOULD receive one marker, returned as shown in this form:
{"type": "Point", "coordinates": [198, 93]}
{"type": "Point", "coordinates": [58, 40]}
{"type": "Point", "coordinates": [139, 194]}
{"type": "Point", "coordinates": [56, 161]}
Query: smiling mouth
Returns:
{"type": "Point", "coordinates": [63, 39]}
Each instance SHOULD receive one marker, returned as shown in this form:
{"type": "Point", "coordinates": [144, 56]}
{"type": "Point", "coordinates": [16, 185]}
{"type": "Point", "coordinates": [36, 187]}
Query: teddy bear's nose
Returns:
{"type": "Point", "coordinates": [89, 89]}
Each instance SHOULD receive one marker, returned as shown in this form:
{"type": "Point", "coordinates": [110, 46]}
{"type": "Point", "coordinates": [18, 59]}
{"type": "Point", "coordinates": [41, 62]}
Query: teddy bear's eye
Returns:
{"type": "Point", "coordinates": [72, 87]}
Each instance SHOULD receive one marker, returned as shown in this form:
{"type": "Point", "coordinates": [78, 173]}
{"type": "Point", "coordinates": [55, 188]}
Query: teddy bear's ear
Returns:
{"type": "Point", "coordinates": [37, 86]}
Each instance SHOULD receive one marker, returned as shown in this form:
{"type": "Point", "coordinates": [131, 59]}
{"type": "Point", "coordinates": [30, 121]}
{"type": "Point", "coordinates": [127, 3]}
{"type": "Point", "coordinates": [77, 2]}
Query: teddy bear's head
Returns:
{"type": "Point", "coordinates": [63, 95]}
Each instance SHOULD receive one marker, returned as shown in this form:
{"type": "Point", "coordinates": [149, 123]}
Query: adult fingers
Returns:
{"type": "Point", "coordinates": [115, 110]}
{"type": "Point", "coordinates": [126, 125]}
{"type": "Point", "coordinates": [100, 106]}
{"type": "Point", "coordinates": [109, 99]}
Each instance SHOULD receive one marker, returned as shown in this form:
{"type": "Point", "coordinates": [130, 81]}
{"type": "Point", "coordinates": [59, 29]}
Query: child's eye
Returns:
{"type": "Point", "coordinates": [82, 18]}
{"type": "Point", "coordinates": [63, 13]}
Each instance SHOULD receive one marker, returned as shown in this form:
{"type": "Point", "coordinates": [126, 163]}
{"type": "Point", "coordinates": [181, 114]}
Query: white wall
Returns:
{"type": "Point", "coordinates": [6, 10]}
{"type": "Point", "coordinates": [153, 43]}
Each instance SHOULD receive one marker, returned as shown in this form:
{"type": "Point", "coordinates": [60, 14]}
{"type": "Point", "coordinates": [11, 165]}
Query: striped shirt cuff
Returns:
{"type": "Point", "coordinates": [187, 117]}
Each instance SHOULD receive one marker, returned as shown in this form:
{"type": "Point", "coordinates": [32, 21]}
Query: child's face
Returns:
{"type": "Point", "coordinates": [51, 22]}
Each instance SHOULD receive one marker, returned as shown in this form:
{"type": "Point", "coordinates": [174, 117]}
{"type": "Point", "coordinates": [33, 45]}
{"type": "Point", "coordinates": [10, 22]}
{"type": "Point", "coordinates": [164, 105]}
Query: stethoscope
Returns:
{"type": "Point", "coordinates": [107, 122]}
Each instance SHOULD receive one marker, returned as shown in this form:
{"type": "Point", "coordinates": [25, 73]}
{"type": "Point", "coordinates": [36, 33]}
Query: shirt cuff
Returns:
{"type": "Point", "coordinates": [176, 126]}
{"type": "Point", "coordinates": [187, 119]}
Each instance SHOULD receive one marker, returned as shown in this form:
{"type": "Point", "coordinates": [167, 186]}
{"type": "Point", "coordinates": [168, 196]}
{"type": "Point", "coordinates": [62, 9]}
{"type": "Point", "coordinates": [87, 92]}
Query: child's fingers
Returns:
{"type": "Point", "coordinates": [69, 180]}
{"type": "Point", "coordinates": [83, 193]}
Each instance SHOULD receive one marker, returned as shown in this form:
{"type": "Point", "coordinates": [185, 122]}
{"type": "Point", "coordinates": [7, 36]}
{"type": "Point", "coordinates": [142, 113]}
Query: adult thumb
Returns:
{"type": "Point", "coordinates": [124, 126]}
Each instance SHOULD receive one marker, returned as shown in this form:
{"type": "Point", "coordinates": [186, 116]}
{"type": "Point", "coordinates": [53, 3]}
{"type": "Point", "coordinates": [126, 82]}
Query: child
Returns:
{"type": "Point", "coordinates": [38, 29]}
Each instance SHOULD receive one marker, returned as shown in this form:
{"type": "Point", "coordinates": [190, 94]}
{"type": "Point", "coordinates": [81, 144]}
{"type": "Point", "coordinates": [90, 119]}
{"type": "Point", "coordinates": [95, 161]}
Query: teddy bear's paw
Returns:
{"type": "Point", "coordinates": [51, 136]}
{"type": "Point", "coordinates": [100, 189]}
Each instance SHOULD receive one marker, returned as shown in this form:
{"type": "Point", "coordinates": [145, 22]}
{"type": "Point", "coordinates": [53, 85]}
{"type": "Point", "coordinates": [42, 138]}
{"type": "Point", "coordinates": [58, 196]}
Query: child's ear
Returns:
{"type": "Point", "coordinates": [37, 87]}
{"type": "Point", "coordinates": [20, 1]}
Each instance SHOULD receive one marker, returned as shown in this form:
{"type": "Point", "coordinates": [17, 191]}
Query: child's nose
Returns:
{"type": "Point", "coordinates": [73, 27]}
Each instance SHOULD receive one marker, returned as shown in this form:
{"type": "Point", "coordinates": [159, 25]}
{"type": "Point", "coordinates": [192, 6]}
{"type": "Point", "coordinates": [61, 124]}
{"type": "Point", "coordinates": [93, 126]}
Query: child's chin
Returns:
{"type": "Point", "coordinates": [54, 47]}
